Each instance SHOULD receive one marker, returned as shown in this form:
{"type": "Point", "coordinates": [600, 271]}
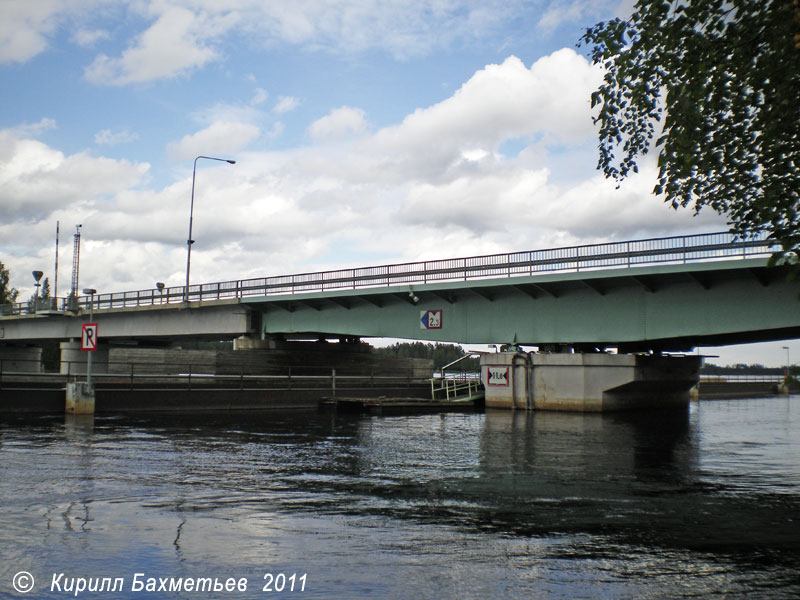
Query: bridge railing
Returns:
{"type": "Point", "coordinates": [634, 253]}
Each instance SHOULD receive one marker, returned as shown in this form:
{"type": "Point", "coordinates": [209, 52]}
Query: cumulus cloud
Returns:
{"type": "Point", "coordinates": [24, 27]}
{"type": "Point", "coordinates": [286, 104]}
{"type": "Point", "coordinates": [178, 42]}
{"type": "Point", "coordinates": [339, 123]}
{"type": "Point", "coordinates": [36, 179]}
{"type": "Point", "coordinates": [221, 137]}
{"type": "Point", "coordinates": [89, 37]}
{"type": "Point", "coordinates": [259, 97]}
{"type": "Point", "coordinates": [547, 102]}
{"type": "Point", "coordinates": [108, 137]}
{"type": "Point", "coordinates": [31, 129]}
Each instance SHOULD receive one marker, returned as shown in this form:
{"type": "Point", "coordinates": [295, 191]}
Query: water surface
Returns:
{"type": "Point", "coordinates": [704, 503]}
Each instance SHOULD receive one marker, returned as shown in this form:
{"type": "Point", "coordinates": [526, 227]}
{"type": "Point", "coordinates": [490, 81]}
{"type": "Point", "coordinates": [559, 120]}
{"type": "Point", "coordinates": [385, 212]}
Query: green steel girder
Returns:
{"type": "Point", "coordinates": [666, 307]}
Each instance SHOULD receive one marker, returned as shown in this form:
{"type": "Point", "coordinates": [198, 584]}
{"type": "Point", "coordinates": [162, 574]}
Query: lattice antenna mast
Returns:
{"type": "Point", "coordinates": [76, 260]}
{"type": "Point", "coordinates": [58, 231]}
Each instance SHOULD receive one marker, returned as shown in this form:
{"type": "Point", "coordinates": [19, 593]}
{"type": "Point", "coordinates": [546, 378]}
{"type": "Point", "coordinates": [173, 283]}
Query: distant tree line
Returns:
{"type": "Point", "coordinates": [743, 369]}
{"type": "Point", "coordinates": [441, 354]}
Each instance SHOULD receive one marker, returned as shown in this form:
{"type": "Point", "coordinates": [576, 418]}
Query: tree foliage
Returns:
{"type": "Point", "coordinates": [7, 293]}
{"type": "Point", "coordinates": [441, 354]}
{"type": "Point", "coordinates": [715, 86]}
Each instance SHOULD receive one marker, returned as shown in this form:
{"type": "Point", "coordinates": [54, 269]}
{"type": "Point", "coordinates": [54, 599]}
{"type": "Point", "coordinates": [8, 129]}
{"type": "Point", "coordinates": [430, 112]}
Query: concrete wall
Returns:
{"type": "Point", "coordinates": [304, 358]}
{"type": "Point", "coordinates": [587, 382]}
{"type": "Point", "coordinates": [21, 359]}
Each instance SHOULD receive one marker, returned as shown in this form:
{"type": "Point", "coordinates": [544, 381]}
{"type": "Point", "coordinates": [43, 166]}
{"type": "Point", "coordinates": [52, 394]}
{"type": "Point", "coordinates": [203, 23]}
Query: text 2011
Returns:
{"type": "Point", "coordinates": [279, 582]}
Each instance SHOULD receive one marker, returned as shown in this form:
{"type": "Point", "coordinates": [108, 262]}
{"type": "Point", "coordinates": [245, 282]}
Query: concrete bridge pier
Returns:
{"type": "Point", "coordinates": [591, 382]}
{"type": "Point", "coordinates": [74, 360]}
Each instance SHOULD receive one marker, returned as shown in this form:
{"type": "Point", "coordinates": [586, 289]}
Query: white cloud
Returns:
{"type": "Point", "coordinates": [31, 129]}
{"type": "Point", "coordinates": [339, 123]}
{"type": "Point", "coordinates": [24, 27]}
{"type": "Point", "coordinates": [36, 179]}
{"type": "Point", "coordinates": [177, 43]}
{"type": "Point", "coordinates": [276, 130]}
{"type": "Point", "coordinates": [184, 35]}
{"type": "Point", "coordinates": [402, 29]}
{"type": "Point", "coordinates": [221, 137]}
{"type": "Point", "coordinates": [27, 25]}
{"type": "Point", "coordinates": [564, 11]}
{"type": "Point", "coordinates": [548, 102]}
{"type": "Point", "coordinates": [286, 104]}
{"type": "Point", "coordinates": [259, 97]}
{"type": "Point", "coordinates": [89, 37]}
{"type": "Point", "coordinates": [107, 137]}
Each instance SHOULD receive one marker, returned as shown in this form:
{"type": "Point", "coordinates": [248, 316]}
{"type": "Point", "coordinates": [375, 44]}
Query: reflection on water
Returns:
{"type": "Point", "coordinates": [551, 505]}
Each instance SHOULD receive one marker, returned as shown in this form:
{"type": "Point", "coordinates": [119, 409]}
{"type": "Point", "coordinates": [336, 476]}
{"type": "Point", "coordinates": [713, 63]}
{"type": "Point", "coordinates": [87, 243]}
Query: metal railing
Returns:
{"type": "Point", "coordinates": [452, 390]}
{"type": "Point", "coordinates": [634, 253]}
{"type": "Point", "coordinates": [140, 375]}
{"type": "Point", "coordinates": [729, 378]}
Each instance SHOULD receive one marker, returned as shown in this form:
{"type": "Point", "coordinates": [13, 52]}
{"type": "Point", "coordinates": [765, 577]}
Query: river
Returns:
{"type": "Point", "coordinates": [703, 503]}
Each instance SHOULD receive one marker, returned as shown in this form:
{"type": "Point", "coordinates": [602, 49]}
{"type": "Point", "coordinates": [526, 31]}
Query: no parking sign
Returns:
{"type": "Point", "coordinates": [89, 337]}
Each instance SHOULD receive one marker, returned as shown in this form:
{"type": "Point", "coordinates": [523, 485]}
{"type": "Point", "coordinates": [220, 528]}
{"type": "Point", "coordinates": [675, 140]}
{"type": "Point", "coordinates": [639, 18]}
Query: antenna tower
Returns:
{"type": "Point", "coordinates": [76, 260]}
{"type": "Point", "coordinates": [55, 291]}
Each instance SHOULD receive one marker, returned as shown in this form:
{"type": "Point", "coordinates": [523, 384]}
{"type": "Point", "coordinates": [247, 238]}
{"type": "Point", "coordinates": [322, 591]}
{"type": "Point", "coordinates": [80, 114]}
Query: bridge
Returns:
{"type": "Point", "coordinates": [664, 294]}
{"type": "Point", "coordinates": [643, 299]}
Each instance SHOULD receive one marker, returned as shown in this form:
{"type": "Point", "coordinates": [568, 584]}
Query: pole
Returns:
{"type": "Point", "coordinates": [190, 241]}
{"type": "Point", "coordinates": [788, 363]}
{"type": "Point", "coordinates": [55, 289]}
{"type": "Point", "coordinates": [89, 360]}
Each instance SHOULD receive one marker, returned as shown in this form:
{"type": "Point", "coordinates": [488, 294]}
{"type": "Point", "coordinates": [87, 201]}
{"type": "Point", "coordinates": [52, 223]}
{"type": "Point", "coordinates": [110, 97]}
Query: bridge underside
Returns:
{"type": "Point", "coordinates": [665, 307]}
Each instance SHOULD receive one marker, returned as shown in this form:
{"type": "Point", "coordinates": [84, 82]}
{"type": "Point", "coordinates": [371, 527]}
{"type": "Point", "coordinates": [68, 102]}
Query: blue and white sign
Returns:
{"type": "Point", "coordinates": [430, 319]}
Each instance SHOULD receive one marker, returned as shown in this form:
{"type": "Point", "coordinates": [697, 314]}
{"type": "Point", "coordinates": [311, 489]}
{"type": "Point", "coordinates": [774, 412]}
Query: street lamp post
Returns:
{"type": "Point", "coordinates": [190, 241]}
{"type": "Point", "coordinates": [37, 276]}
{"type": "Point", "coordinates": [787, 360]}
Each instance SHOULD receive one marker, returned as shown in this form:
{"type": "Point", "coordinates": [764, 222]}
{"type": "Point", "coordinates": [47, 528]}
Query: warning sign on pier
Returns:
{"type": "Point", "coordinates": [496, 375]}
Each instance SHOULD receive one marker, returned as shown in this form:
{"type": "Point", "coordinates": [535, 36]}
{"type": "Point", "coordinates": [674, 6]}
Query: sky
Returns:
{"type": "Point", "coordinates": [364, 132]}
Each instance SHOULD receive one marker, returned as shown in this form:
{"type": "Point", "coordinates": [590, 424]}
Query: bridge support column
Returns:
{"type": "Point", "coordinates": [73, 359]}
{"type": "Point", "coordinates": [80, 398]}
{"type": "Point", "coordinates": [587, 382]}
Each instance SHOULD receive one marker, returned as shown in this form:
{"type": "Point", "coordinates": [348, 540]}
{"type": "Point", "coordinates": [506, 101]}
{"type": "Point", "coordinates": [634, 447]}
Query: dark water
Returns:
{"type": "Point", "coordinates": [703, 504]}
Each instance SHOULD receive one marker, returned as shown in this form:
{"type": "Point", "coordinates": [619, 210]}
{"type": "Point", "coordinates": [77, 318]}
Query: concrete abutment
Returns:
{"type": "Point", "coordinates": [592, 382]}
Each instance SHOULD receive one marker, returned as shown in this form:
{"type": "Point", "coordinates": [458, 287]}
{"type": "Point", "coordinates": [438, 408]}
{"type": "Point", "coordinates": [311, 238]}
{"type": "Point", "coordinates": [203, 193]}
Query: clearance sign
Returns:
{"type": "Point", "coordinates": [430, 319]}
